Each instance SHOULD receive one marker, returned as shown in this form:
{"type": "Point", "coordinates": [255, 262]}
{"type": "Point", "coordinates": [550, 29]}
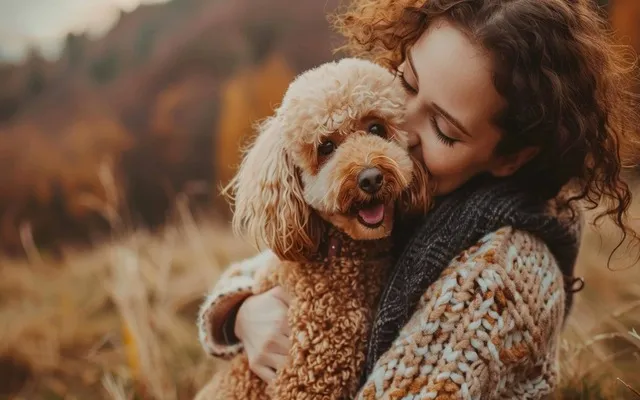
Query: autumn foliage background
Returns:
{"type": "Point", "coordinates": [111, 227]}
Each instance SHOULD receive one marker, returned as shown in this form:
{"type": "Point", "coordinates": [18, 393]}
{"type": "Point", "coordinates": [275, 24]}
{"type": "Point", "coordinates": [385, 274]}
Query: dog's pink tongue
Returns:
{"type": "Point", "coordinates": [372, 215]}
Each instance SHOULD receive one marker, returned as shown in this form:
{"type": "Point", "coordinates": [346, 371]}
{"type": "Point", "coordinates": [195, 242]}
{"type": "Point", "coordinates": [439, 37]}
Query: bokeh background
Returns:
{"type": "Point", "coordinates": [119, 121]}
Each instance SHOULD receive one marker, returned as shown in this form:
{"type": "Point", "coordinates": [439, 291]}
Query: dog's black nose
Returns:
{"type": "Point", "coordinates": [370, 180]}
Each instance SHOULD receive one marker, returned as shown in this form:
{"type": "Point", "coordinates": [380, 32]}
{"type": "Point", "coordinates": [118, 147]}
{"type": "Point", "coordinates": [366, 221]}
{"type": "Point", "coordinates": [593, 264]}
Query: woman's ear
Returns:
{"type": "Point", "coordinates": [507, 165]}
{"type": "Point", "coordinates": [269, 204]}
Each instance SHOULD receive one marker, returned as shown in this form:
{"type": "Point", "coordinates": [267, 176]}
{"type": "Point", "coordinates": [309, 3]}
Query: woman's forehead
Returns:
{"type": "Point", "coordinates": [455, 73]}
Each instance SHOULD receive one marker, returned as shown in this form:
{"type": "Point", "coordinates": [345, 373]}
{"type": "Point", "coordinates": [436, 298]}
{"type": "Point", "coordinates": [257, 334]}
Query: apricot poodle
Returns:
{"type": "Point", "coordinates": [321, 186]}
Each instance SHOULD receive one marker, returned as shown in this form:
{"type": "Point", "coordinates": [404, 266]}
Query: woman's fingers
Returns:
{"type": "Point", "coordinates": [268, 364]}
{"type": "Point", "coordinates": [261, 324]}
{"type": "Point", "coordinates": [265, 373]}
{"type": "Point", "coordinates": [286, 330]}
{"type": "Point", "coordinates": [276, 361]}
{"type": "Point", "coordinates": [280, 345]}
{"type": "Point", "coordinates": [280, 294]}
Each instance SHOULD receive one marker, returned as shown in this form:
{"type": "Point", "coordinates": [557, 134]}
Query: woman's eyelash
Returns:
{"type": "Point", "coordinates": [405, 84]}
{"type": "Point", "coordinates": [446, 140]}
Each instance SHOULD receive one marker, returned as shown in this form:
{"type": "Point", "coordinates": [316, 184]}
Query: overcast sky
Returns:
{"type": "Point", "coordinates": [44, 23]}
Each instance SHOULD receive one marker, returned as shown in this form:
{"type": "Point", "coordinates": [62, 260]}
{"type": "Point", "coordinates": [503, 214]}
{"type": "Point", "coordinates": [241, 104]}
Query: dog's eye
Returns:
{"type": "Point", "coordinates": [378, 130]}
{"type": "Point", "coordinates": [325, 148]}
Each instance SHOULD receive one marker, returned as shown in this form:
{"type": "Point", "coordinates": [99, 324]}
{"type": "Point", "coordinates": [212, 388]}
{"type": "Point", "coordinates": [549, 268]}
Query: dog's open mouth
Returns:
{"type": "Point", "coordinates": [370, 215]}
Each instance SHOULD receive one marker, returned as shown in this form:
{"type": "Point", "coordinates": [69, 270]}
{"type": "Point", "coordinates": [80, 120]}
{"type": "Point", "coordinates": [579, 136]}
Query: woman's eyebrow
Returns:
{"type": "Point", "coordinates": [412, 67]}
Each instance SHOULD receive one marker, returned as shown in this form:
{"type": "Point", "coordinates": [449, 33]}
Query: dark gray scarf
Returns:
{"type": "Point", "coordinates": [457, 222]}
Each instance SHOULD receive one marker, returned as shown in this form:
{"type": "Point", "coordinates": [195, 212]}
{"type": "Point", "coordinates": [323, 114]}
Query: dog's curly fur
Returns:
{"type": "Point", "coordinates": [301, 196]}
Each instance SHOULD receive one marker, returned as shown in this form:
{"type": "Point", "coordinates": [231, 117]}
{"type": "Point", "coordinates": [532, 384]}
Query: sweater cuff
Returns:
{"type": "Point", "coordinates": [217, 318]}
{"type": "Point", "coordinates": [229, 337]}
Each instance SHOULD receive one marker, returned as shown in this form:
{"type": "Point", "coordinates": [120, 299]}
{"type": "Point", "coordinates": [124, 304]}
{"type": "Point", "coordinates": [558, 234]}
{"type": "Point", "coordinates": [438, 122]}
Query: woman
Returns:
{"type": "Point", "coordinates": [514, 105]}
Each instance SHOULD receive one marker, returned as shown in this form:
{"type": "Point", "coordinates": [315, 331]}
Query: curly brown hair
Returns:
{"type": "Point", "coordinates": [567, 85]}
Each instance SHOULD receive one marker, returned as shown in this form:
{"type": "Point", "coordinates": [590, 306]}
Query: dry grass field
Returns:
{"type": "Point", "coordinates": [118, 321]}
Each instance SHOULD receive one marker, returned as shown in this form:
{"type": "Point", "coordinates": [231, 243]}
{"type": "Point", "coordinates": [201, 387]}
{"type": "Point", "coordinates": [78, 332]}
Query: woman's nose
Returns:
{"type": "Point", "coordinates": [414, 139]}
{"type": "Point", "coordinates": [412, 115]}
{"type": "Point", "coordinates": [410, 127]}
{"type": "Point", "coordinates": [416, 152]}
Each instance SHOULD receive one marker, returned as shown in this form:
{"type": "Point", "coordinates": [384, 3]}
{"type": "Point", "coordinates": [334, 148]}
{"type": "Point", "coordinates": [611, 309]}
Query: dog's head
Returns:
{"type": "Point", "coordinates": [333, 151]}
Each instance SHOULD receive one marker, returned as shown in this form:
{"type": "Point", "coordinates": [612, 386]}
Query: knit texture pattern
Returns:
{"type": "Point", "coordinates": [487, 328]}
{"type": "Point", "coordinates": [458, 221]}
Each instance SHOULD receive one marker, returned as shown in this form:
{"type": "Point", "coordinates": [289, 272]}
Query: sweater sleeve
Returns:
{"type": "Point", "coordinates": [486, 329]}
{"type": "Point", "coordinates": [217, 313]}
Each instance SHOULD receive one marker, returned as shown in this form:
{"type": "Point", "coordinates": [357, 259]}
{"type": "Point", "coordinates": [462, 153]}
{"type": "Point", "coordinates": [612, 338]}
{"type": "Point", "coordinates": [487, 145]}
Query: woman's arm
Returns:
{"type": "Point", "coordinates": [217, 314]}
{"type": "Point", "coordinates": [486, 329]}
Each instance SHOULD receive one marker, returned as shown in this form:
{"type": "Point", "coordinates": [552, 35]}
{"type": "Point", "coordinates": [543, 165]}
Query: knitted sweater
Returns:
{"type": "Point", "coordinates": [487, 328]}
{"type": "Point", "coordinates": [458, 221]}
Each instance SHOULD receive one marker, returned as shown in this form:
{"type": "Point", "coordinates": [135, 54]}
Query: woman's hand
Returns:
{"type": "Point", "coordinates": [261, 325]}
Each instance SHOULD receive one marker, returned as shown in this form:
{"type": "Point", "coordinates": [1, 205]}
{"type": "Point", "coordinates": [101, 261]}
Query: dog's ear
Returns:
{"type": "Point", "coordinates": [268, 195]}
{"type": "Point", "coordinates": [416, 200]}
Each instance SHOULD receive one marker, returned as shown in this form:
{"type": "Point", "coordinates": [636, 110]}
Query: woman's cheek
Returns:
{"type": "Point", "coordinates": [437, 165]}
{"type": "Point", "coordinates": [438, 157]}
{"type": "Point", "coordinates": [447, 170]}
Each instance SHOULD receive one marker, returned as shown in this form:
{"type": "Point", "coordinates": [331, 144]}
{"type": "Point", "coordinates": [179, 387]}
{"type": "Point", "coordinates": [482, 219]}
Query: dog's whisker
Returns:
{"type": "Point", "coordinates": [394, 163]}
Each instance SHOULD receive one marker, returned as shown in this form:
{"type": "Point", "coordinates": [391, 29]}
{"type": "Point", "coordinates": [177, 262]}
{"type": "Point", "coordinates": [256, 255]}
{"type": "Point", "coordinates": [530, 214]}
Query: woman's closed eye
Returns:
{"type": "Point", "coordinates": [405, 84]}
{"type": "Point", "coordinates": [444, 138]}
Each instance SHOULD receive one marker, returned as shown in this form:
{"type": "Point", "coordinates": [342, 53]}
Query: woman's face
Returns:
{"type": "Point", "coordinates": [451, 109]}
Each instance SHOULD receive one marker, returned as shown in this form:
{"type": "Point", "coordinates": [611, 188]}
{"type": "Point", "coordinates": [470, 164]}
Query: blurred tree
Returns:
{"type": "Point", "coordinates": [10, 94]}
{"type": "Point", "coordinates": [218, 59]}
{"type": "Point", "coordinates": [106, 68]}
{"type": "Point", "coordinates": [145, 41]}
{"type": "Point", "coordinates": [9, 105]}
{"type": "Point", "coordinates": [262, 36]}
{"type": "Point", "coordinates": [46, 152]}
{"type": "Point", "coordinates": [165, 125]}
{"type": "Point", "coordinates": [247, 97]}
{"type": "Point", "coordinates": [35, 82]}
{"type": "Point", "coordinates": [74, 49]}
{"type": "Point", "coordinates": [36, 78]}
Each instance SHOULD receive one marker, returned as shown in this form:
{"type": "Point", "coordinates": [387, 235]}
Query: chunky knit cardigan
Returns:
{"type": "Point", "coordinates": [458, 221]}
{"type": "Point", "coordinates": [487, 327]}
